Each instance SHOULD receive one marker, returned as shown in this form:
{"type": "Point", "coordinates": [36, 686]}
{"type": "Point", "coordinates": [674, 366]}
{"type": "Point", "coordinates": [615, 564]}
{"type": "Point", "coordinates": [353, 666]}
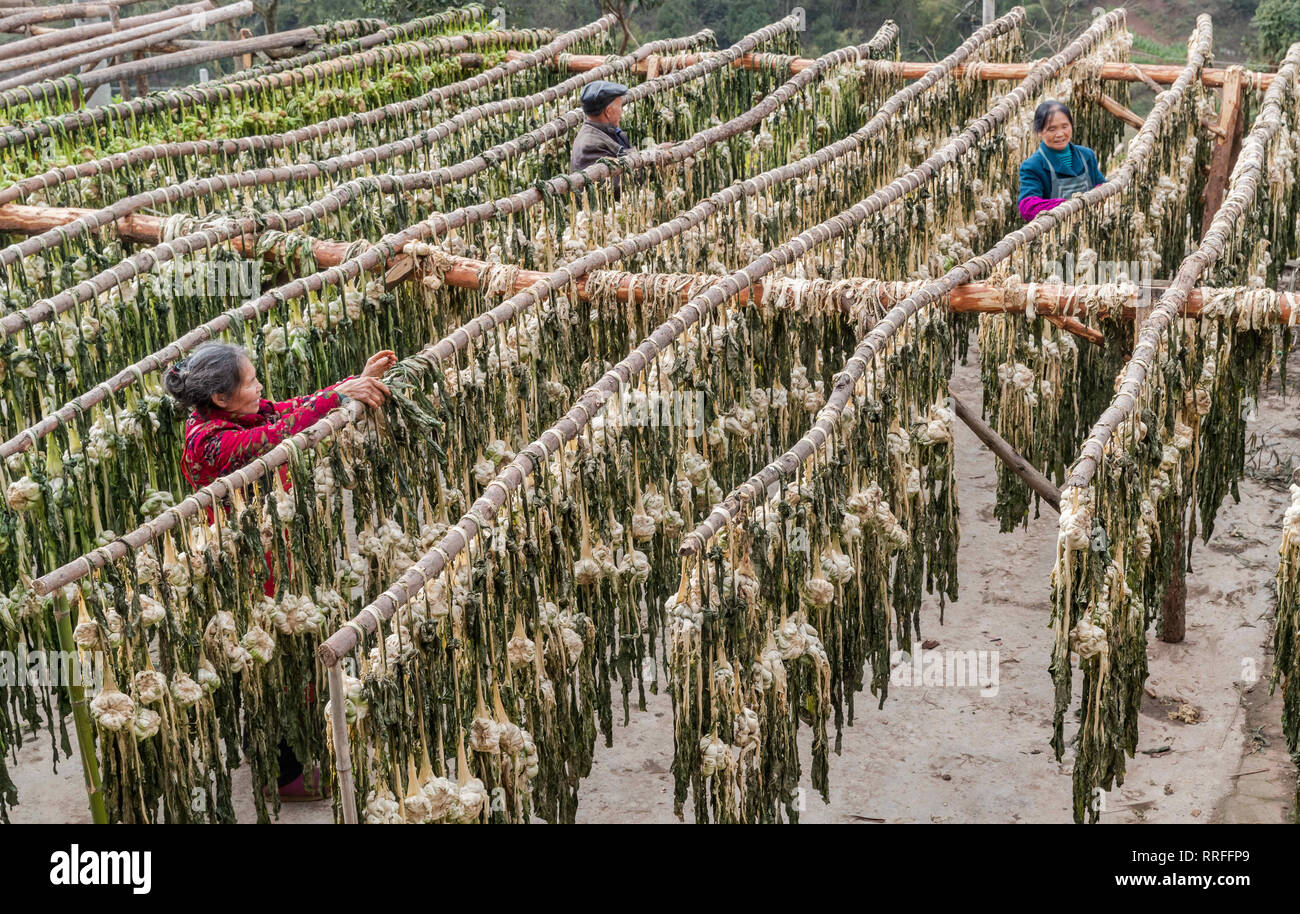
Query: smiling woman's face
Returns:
{"type": "Point", "coordinates": [244, 399]}
{"type": "Point", "coordinates": [1057, 131]}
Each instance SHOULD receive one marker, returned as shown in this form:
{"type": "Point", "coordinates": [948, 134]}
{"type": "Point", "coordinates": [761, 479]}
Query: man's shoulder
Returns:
{"type": "Point", "coordinates": [591, 134]}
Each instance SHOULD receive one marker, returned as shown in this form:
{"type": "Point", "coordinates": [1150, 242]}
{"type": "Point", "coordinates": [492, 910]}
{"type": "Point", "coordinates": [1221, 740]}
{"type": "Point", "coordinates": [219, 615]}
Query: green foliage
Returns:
{"type": "Point", "coordinates": [1148, 50]}
{"type": "Point", "coordinates": [1278, 25]}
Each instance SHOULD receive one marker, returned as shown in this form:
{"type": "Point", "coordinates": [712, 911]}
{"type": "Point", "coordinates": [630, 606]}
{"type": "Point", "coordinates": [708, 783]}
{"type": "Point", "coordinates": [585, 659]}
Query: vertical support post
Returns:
{"type": "Point", "coordinates": [245, 60]}
{"type": "Point", "coordinates": [1173, 615]}
{"type": "Point", "coordinates": [1232, 123]}
{"type": "Point", "coordinates": [80, 714]}
{"type": "Point", "coordinates": [141, 81]}
{"type": "Point", "coordinates": [342, 748]}
{"type": "Point", "coordinates": [990, 11]}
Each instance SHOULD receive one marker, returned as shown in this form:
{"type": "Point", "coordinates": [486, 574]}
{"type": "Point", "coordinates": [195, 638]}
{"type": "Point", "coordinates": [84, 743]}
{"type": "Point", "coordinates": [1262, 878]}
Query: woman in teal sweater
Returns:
{"type": "Point", "coordinates": [1058, 169]}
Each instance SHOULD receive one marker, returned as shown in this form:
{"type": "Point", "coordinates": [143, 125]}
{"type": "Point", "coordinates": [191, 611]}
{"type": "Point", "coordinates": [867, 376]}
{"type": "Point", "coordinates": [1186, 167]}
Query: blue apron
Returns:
{"type": "Point", "coordinates": [1066, 186]}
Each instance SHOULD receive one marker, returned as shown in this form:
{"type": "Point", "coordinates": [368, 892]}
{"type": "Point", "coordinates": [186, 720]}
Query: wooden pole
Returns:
{"type": "Point", "coordinates": [1162, 74]}
{"type": "Point", "coordinates": [1007, 454]}
{"type": "Point", "coordinates": [187, 26]}
{"type": "Point", "coordinates": [44, 38]}
{"type": "Point", "coordinates": [1231, 125]}
{"type": "Point", "coordinates": [1124, 114]}
{"type": "Point", "coordinates": [1173, 612]}
{"type": "Point", "coordinates": [118, 31]}
{"type": "Point", "coordinates": [1059, 303]}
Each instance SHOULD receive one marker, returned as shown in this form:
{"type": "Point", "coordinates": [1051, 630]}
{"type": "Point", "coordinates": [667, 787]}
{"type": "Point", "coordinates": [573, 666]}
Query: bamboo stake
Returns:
{"type": "Point", "coordinates": [734, 505]}
{"type": "Point", "coordinates": [342, 748]}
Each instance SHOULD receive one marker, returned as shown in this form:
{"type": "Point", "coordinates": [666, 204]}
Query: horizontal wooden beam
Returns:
{"type": "Point", "coordinates": [1051, 300]}
{"type": "Point", "coordinates": [1122, 72]}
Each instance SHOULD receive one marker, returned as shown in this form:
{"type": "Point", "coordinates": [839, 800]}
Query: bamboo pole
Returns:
{"type": "Point", "coordinates": [532, 455]}
{"type": "Point", "coordinates": [342, 747]}
{"type": "Point", "coordinates": [192, 24]}
{"type": "Point", "coordinates": [1162, 74]}
{"type": "Point", "coordinates": [1140, 150]}
{"type": "Point", "coordinates": [50, 38]}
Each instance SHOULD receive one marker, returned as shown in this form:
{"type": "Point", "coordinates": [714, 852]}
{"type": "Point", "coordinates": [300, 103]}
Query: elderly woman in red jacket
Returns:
{"type": "Point", "coordinates": [231, 424]}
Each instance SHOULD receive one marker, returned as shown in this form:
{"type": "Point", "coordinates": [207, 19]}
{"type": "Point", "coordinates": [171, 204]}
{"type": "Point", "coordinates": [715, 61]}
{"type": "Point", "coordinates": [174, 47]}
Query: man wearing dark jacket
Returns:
{"type": "Point", "coordinates": [600, 137]}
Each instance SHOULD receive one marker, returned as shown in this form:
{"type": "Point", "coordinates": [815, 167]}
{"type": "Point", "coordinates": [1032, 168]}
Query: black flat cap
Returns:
{"type": "Point", "coordinates": [596, 96]}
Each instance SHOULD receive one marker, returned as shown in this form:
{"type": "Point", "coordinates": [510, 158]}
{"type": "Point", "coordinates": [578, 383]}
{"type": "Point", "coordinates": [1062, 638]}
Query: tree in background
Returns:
{"type": "Point", "coordinates": [267, 9]}
{"type": "Point", "coordinates": [1278, 25]}
{"type": "Point", "coordinates": [623, 10]}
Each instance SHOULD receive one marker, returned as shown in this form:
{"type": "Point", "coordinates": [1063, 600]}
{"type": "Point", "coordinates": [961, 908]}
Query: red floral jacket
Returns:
{"type": "Point", "coordinates": [218, 442]}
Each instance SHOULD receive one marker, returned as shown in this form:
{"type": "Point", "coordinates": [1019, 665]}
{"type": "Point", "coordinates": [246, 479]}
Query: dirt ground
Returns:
{"type": "Point", "coordinates": [943, 754]}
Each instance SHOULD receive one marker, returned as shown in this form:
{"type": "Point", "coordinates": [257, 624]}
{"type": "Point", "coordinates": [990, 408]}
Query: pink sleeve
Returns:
{"type": "Point", "coordinates": [1032, 206]}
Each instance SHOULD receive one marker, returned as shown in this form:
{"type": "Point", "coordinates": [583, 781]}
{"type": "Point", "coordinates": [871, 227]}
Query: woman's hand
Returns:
{"type": "Point", "coordinates": [369, 390]}
{"type": "Point", "coordinates": [379, 363]}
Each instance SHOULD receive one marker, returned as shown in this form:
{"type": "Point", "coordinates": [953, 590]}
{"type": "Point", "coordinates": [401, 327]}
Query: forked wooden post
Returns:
{"type": "Point", "coordinates": [1232, 124]}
